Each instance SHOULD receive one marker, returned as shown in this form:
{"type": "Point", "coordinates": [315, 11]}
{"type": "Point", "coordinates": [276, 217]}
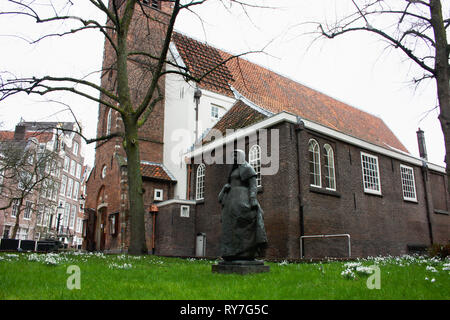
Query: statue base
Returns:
{"type": "Point", "coordinates": [240, 267]}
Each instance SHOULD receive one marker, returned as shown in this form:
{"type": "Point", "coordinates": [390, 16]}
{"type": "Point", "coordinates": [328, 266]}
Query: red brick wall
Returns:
{"type": "Point", "coordinates": [378, 225]}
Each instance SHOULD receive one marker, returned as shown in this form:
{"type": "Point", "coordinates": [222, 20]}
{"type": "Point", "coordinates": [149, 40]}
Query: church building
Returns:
{"type": "Point", "coordinates": [332, 180]}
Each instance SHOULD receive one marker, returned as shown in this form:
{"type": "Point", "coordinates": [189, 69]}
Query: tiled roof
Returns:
{"type": "Point", "coordinates": [240, 115]}
{"type": "Point", "coordinates": [40, 136]}
{"type": "Point", "coordinates": [155, 171]}
{"type": "Point", "coordinates": [203, 59]}
{"type": "Point", "coordinates": [276, 93]}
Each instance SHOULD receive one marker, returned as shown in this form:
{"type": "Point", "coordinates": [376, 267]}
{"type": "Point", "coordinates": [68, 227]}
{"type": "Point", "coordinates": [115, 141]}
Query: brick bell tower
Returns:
{"type": "Point", "coordinates": [106, 207]}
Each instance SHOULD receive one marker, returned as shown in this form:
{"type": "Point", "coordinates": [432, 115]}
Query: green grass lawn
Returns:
{"type": "Point", "coordinates": [40, 276]}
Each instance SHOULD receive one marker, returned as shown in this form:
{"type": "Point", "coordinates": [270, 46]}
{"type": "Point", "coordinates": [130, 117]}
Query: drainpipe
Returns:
{"type": "Point", "coordinates": [300, 126]}
{"type": "Point", "coordinates": [424, 170]}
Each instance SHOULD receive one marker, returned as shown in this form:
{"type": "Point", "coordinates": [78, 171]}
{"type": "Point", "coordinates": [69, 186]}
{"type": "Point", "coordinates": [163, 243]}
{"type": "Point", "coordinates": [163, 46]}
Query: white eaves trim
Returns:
{"type": "Point", "coordinates": [176, 201]}
{"type": "Point", "coordinates": [288, 117]}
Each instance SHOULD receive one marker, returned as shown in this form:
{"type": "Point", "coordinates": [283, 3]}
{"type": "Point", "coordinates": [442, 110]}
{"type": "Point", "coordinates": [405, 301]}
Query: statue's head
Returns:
{"type": "Point", "coordinates": [238, 156]}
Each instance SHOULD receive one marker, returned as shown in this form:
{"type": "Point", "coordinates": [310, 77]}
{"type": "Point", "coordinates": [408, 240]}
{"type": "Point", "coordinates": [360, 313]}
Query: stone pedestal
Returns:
{"type": "Point", "coordinates": [240, 267]}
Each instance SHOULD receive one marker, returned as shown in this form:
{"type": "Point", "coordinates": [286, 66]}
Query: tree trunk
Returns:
{"type": "Point", "coordinates": [442, 71]}
{"type": "Point", "coordinates": [135, 195]}
{"type": "Point", "coordinates": [16, 225]}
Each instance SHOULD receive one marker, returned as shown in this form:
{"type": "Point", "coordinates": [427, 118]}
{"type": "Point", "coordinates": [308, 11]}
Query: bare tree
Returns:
{"type": "Point", "coordinates": [135, 71]}
{"type": "Point", "coordinates": [419, 30]}
{"type": "Point", "coordinates": [26, 173]}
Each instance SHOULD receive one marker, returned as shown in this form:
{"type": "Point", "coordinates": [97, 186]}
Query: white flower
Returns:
{"type": "Point", "coordinates": [364, 270]}
{"type": "Point", "coordinates": [283, 263]}
{"type": "Point", "coordinates": [433, 280]}
{"type": "Point", "coordinates": [432, 269]}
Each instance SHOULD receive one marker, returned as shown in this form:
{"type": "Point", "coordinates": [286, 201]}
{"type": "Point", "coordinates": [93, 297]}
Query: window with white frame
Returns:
{"type": "Point", "coordinates": [65, 222]}
{"type": "Point", "coordinates": [184, 211]}
{"type": "Point", "coordinates": [69, 188]}
{"type": "Point", "coordinates": [408, 183]}
{"type": "Point", "coordinates": [79, 225]}
{"type": "Point", "coordinates": [73, 166]}
{"type": "Point", "coordinates": [28, 210]}
{"type": "Point", "coordinates": [76, 146]}
{"type": "Point", "coordinates": [254, 159]}
{"type": "Point", "coordinates": [158, 195]}
{"type": "Point", "coordinates": [371, 173]}
{"type": "Point", "coordinates": [73, 214]}
{"type": "Point", "coordinates": [330, 175]}
{"type": "Point", "coordinates": [78, 174]}
{"type": "Point", "coordinates": [214, 112]}
{"type": "Point", "coordinates": [76, 189]}
{"type": "Point", "coordinates": [66, 164]}
{"type": "Point", "coordinates": [314, 163]}
{"type": "Point", "coordinates": [25, 180]}
{"type": "Point", "coordinates": [200, 182]}
{"type": "Point", "coordinates": [15, 208]}
{"type": "Point", "coordinates": [63, 185]}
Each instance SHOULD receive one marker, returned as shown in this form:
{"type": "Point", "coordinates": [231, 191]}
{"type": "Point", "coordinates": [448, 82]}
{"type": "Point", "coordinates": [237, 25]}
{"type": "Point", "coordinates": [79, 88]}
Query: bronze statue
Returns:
{"type": "Point", "coordinates": [243, 233]}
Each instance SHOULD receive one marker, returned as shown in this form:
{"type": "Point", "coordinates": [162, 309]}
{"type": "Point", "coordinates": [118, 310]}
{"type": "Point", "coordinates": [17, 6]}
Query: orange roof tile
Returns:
{"type": "Point", "coordinates": [155, 171]}
{"type": "Point", "coordinates": [276, 93]}
{"type": "Point", "coordinates": [40, 136]}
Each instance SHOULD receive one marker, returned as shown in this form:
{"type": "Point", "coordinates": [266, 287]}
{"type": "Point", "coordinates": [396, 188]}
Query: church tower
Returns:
{"type": "Point", "coordinates": [107, 200]}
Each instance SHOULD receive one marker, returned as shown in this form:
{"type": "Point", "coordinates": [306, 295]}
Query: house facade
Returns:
{"type": "Point", "coordinates": [52, 210]}
{"type": "Point", "coordinates": [326, 169]}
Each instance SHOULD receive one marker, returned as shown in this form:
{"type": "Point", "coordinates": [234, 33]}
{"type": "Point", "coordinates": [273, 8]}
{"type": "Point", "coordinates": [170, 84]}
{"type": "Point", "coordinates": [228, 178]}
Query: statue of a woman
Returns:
{"type": "Point", "coordinates": [243, 233]}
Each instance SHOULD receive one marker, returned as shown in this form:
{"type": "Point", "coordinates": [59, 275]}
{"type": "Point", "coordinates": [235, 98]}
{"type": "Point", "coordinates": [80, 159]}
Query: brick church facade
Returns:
{"type": "Point", "coordinates": [344, 184]}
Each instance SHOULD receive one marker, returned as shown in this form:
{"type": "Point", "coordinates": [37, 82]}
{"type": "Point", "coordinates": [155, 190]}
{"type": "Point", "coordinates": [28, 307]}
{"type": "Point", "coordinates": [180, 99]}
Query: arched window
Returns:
{"type": "Point", "coordinates": [314, 163]}
{"type": "Point", "coordinates": [200, 185]}
{"type": "Point", "coordinates": [108, 122]}
{"type": "Point", "coordinates": [330, 176]}
{"type": "Point", "coordinates": [254, 159]}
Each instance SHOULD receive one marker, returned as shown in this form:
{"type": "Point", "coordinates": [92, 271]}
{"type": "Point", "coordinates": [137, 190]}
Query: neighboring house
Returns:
{"type": "Point", "coordinates": [56, 206]}
{"type": "Point", "coordinates": [341, 172]}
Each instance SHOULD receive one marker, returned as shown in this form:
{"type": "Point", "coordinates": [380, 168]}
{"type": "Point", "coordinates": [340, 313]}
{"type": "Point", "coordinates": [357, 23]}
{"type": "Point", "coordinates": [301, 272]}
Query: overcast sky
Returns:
{"type": "Point", "coordinates": [356, 69]}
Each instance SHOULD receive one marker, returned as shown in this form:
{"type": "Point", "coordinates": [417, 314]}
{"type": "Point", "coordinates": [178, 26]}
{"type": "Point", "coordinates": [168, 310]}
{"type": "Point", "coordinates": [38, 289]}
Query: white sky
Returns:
{"type": "Point", "coordinates": [355, 69]}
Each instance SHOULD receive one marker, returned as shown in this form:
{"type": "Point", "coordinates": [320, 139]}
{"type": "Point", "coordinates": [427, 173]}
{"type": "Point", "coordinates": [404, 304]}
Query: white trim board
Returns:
{"type": "Point", "coordinates": [291, 118]}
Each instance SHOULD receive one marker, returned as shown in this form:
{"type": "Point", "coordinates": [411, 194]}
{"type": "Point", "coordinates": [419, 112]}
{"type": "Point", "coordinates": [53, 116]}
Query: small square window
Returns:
{"type": "Point", "coordinates": [184, 211]}
{"type": "Point", "coordinates": [158, 196]}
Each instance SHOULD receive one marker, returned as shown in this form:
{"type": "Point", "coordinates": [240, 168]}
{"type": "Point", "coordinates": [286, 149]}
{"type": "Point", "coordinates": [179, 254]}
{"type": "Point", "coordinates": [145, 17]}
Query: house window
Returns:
{"type": "Point", "coordinates": [108, 122]}
{"type": "Point", "coordinates": [6, 231]}
{"type": "Point", "coordinates": [78, 174]}
{"type": "Point", "coordinates": [73, 214]}
{"type": "Point", "coordinates": [214, 112]}
{"type": "Point", "coordinates": [200, 185]}
{"type": "Point", "coordinates": [158, 195]}
{"type": "Point", "coordinates": [66, 164]}
{"type": "Point", "coordinates": [66, 215]}
{"type": "Point", "coordinates": [79, 225]}
{"type": "Point", "coordinates": [76, 189]}
{"type": "Point", "coordinates": [371, 173]}
{"type": "Point", "coordinates": [254, 158]}
{"type": "Point", "coordinates": [62, 190]}
{"type": "Point", "coordinates": [28, 210]}
{"type": "Point", "coordinates": [69, 188]}
{"type": "Point", "coordinates": [76, 146]}
{"type": "Point", "coordinates": [25, 180]}
{"type": "Point", "coordinates": [314, 163]}
{"type": "Point", "coordinates": [73, 166]}
{"type": "Point", "coordinates": [113, 223]}
{"type": "Point", "coordinates": [184, 211]}
{"type": "Point", "coordinates": [408, 183]}
{"type": "Point", "coordinates": [15, 208]}
{"type": "Point", "coordinates": [330, 176]}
